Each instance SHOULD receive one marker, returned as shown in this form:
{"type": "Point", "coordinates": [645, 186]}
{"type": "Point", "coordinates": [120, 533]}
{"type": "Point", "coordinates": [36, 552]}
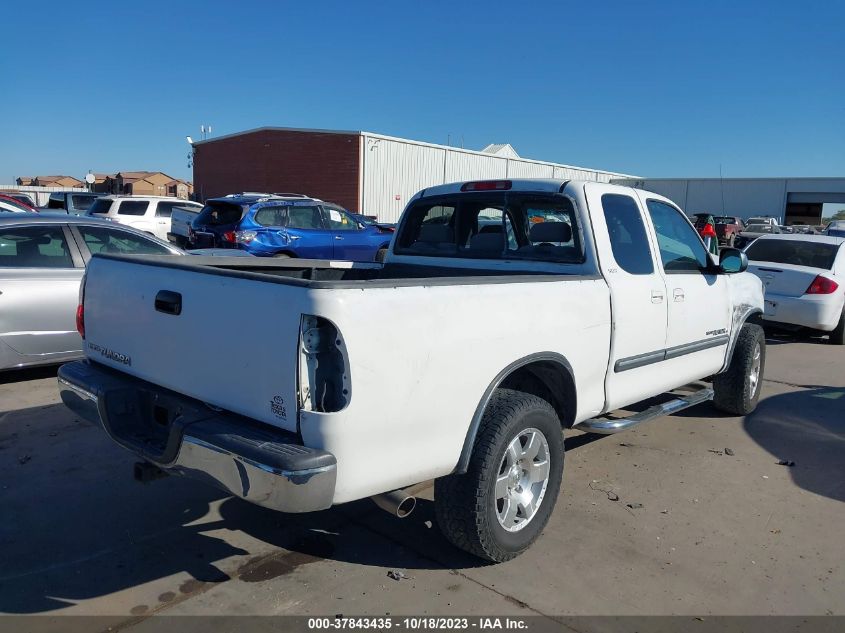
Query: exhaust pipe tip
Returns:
{"type": "Point", "coordinates": [398, 503]}
{"type": "Point", "coordinates": [406, 507]}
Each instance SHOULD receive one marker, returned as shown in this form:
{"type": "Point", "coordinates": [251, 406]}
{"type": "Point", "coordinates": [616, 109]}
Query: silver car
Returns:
{"type": "Point", "coordinates": [42, 259]}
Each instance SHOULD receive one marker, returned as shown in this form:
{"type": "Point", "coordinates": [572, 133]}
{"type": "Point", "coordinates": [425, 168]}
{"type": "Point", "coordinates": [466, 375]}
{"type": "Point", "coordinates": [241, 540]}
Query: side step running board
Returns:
{"type": "Point", "coordinates": [606, 426]}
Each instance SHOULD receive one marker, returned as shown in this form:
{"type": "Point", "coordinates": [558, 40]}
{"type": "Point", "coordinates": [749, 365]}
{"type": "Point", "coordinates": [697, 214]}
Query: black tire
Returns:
{"type": "Point", "coordinates": [735, 392]}
{"type": "Point", "coordinates": [837, 336]}
{"type": "Point", "coordinates": [465, 505]}
{"type": "Point", "coordinates": [380, 254]}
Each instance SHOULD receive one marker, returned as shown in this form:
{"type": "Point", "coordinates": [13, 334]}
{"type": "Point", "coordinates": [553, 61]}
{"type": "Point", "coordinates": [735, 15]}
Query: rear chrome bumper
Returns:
{"type": "Point", "coordinates": [254, 461]}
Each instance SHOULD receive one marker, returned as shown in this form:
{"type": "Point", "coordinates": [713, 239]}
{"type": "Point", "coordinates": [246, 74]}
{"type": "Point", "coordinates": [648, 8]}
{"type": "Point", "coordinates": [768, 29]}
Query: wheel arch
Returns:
{"type": "Point", "coordinates": [547, 375]}
{"type": "Point", "coordinates": [742, 315]}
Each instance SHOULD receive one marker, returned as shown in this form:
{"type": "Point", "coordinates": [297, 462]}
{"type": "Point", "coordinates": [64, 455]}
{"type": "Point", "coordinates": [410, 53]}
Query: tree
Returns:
{"type": "Point", "coordinates": [839, 215]}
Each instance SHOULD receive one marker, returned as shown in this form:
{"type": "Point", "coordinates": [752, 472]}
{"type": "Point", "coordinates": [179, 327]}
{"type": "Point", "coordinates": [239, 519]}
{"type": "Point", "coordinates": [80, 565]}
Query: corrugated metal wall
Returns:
{"type": "Point", "coordinates": [393, 170]}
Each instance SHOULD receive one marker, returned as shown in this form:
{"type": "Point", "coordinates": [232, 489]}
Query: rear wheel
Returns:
{"type": "Point", "coordinates": [737, 390]}
{"type": "Point", "coordinates": [837, 336]}
{"type": "Point", "coordinates": [380, 254]}
{"type": "Point", "coordinates": [499, 507]}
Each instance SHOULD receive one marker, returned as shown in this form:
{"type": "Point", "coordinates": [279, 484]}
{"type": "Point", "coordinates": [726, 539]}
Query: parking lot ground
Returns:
{"type": "Point", "coordinates": [694, 530]}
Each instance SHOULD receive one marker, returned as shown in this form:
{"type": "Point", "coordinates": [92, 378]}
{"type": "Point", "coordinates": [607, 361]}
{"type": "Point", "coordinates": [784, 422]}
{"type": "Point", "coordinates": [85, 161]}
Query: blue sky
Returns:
{"type": "Point", "coordinates": [649, 88]}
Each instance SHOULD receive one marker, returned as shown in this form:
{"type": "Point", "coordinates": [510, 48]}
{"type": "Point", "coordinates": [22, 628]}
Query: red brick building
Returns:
{"type": "Point", "coordinates": [319, 163]}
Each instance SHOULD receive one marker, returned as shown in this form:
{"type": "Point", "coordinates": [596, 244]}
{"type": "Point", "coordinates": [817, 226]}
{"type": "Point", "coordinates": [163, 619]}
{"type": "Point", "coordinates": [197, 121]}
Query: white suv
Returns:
{"type": "Point", "coordinates": [145, 213]}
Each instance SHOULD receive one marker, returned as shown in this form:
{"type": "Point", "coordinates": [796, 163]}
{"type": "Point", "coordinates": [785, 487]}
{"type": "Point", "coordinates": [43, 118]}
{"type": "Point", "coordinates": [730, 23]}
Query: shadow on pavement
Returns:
{"type": "Point", "coordinates": [808, 428]}
{"type": "Point", "coordinates": [21, 375]}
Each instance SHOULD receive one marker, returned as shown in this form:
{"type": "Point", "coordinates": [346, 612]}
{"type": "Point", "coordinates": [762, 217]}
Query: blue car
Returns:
{"type": "Point", "coordinates": [288, 227]}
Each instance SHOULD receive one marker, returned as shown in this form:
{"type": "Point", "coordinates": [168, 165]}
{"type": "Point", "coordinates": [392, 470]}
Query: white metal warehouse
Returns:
{"type": "Point", "coordinates": [394, 169]}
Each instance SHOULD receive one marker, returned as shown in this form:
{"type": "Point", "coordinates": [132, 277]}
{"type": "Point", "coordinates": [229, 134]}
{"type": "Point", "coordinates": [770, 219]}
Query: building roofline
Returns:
{"type": "Point", "coordinates": [741, 178]}
{"type": "Point", "coordinates": [386, 137]}
{"type": "Point", "coordinates": [480, 153]}
{"type": "Point", "coordinates": [271, 128]}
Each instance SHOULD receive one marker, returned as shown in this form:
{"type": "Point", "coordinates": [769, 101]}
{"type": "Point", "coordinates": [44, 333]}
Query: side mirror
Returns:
{"type": "Point", "coordinates": [733, 260]}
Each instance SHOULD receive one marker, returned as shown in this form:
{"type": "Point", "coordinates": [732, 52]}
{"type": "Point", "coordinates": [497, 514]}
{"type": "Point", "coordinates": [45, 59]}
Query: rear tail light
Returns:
{"type": "Point", "coordinates": [487, 185]}
{"type": "Point", "coordinates": [230, 236]}
{"type": "Point", "coordinates": [822, 286]}
{"type": "Point", "coordinates": [245, 237]}
{"type": "Point", "coordinates": [80, 309]}
{"type": "Point", "coordinates": [80, 320]}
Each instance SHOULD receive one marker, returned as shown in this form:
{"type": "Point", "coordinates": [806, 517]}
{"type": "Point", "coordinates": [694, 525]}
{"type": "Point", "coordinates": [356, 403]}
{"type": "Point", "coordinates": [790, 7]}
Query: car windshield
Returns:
{"type": "Point", "coordinates": [759, 228]}
{"type": "Point", "coordinates": [492, 226]}
{"type": "Point", "coordinates": [798, 252]}
{"type": "Point", "coordinates": [724, 220]}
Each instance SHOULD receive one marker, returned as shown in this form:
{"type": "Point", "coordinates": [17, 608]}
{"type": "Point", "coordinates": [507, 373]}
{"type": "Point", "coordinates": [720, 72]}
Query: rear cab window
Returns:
{"type": "Point", "coordinates": [492, 225]}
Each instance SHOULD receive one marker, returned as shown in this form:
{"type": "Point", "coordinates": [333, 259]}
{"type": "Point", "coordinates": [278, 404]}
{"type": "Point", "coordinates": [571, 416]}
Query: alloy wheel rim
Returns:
{"type": "Point", "coordinates": [754, 374]}
{"type": "Point", "coordinates": [522, 479]}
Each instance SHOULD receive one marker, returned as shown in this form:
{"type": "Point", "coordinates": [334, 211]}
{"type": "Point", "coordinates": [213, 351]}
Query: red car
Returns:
{"type": "Point", "coordinates": [17, 202]}
{"type": "Point", "coordinates": [727, 228]}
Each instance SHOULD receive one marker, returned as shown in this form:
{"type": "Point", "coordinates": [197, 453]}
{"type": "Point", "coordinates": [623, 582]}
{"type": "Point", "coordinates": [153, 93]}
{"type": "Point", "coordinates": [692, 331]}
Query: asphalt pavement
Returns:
{"type": "Point", "coordinates": [706, 522]}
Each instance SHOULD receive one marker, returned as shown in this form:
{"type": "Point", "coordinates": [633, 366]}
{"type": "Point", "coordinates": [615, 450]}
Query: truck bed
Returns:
{"type": "Point", "coordinates": [314, 273]}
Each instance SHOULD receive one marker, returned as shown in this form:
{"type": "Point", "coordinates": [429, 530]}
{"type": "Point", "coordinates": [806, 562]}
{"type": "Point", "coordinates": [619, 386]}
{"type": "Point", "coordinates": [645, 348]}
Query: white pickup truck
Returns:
{"type": "Point", "coordinates": [504, 311]}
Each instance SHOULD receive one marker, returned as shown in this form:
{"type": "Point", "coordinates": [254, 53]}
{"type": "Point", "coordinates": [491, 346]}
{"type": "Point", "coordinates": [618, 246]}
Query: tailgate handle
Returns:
{"type": "Point", "coordinates": [169, 302]}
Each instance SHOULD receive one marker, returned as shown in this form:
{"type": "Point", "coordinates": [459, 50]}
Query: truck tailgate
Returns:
{"type": "Point", "coordinates": [233, 343]}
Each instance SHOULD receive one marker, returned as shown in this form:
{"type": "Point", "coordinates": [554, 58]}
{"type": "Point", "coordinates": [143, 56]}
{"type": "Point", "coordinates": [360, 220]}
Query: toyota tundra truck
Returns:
{"type": "Point", "coordinates": [504, 312]}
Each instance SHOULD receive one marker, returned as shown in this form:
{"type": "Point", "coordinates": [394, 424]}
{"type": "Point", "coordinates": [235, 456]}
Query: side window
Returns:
{"type": "Point", "coordinates": [304, 218]}
{"type": "Point", "coordinates": [628, 238]}
{"type": "Point", "coordinates": [271, 216]}
{"type": "Point", "coordinates": [34, 247]}
{"type": "Point", "coordinates": [133, 207]}
{"type": "Point", "coordinates": [83, 203]}
{"type": "Point", "coordinates": [338, 220]}
{"type": "Point", "coordinates": [108, 240]}
{"type": "Point", "coordinates": [165, 209]}
{"type": "Point", "coordinates": [681, 250]}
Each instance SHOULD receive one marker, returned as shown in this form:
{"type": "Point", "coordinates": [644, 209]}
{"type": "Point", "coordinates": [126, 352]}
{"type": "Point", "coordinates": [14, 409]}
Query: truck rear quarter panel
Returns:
{"type": "Point", "coordinates": [421, 358]}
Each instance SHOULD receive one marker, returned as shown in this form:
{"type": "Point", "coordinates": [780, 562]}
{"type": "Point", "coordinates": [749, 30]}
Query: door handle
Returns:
{"type": "Point", "coordinates": [169, 302]}
{"type": "Point", "coordinates": [657, 296]}
{"type": "Point", "coordinates": [338, 237]}
{"type": "Point", "coordinates": [678, 294]}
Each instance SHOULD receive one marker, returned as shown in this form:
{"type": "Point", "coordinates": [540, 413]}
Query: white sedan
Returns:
{"type": "Point", "coordinates": [804, 281]}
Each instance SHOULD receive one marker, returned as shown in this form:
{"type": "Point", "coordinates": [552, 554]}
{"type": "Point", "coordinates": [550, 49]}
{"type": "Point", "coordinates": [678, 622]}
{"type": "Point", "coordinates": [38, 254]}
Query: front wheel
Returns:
{"type": "Point", "coordinates": [499, 507]}
{"type": "Point", "coordinates": [380, 254]}
{"type": "Point", "coordinates": [737, 390]}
